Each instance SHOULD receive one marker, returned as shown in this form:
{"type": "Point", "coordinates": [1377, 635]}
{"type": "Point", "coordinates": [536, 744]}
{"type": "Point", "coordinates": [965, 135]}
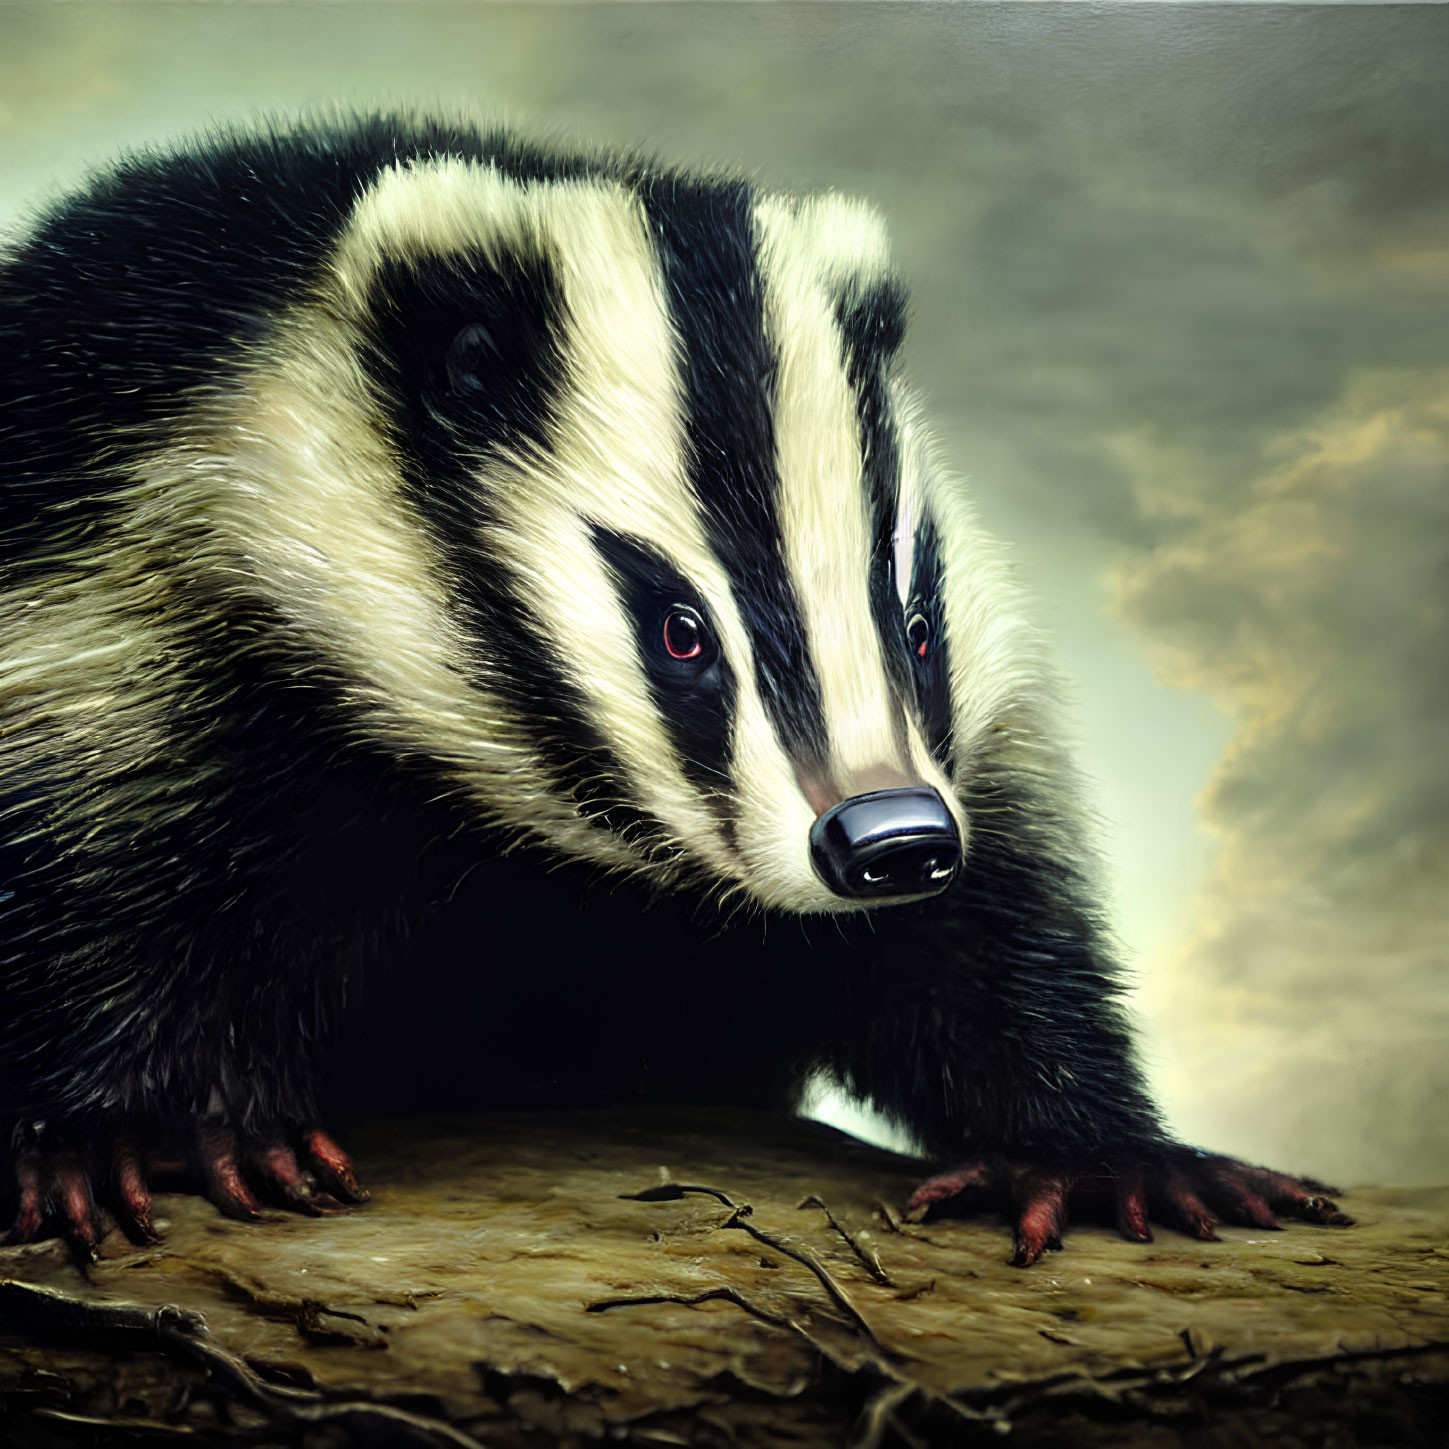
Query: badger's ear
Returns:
{"type": "Point", "coordinates": [467, 349]}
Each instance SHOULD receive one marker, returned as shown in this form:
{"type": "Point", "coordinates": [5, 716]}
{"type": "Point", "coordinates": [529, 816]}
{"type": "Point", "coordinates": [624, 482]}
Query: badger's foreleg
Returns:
{"type": "Point", "coordinates": [177, 1042]}
{"type": "Point", "coordinates": [178, 1098]}
{"type": "Point", "coordinates": [71, 1191]}
{"type": "Point", "coordinates": [986, 1023]}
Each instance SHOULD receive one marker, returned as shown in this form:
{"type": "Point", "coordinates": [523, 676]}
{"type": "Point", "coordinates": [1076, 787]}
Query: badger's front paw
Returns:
{"type": "Point", "coordinates": [76, 1194]}
{"type": "Point", "coordinates": [309, 1174]}
{"type": "Point", "coordinates": [1187, 1189]}
{"type": "Point", "coordinates": [64, 1192]}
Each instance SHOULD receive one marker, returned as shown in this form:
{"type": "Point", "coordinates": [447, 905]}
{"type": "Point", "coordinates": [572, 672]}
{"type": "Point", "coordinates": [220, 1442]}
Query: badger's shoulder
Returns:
{"type": "Point", "coordinates": [150, 279]}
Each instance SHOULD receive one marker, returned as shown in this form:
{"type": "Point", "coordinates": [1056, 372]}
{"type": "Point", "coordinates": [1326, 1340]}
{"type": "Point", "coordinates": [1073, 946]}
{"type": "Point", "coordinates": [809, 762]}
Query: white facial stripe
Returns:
{"type": "Point", "coordinates": [614, 455]}
{"type": "Point", "coordinates": [306, 502]}
{"type": "Point", "coordinates": [995, 656]}
{"type": "Point", "coordinates": [808, 252]}
{"type": "Point", "coordinates": [774, 820]}
{"type": "Point", "coordinates": [305, 494]}
{"type": "Point", "coordinates": [928, 770]}
{"type": "Point", "coordinates": [903, 537]}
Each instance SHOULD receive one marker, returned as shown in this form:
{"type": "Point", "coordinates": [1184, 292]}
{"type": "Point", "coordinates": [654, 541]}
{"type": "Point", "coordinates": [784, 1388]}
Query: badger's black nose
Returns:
{"type": "Point", "coordinates": [886, 844]}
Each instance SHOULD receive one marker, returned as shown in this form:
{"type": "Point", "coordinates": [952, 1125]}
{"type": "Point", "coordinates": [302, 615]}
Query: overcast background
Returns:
{"type": "Point", "coordinates": [1182, 311]}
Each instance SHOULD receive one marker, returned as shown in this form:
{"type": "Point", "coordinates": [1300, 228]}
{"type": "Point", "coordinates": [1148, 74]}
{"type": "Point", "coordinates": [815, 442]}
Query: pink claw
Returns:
{"type": "Point", "coordinates": [30, 1216]}
{"type": "Point", "coordinates": [56, 1194]}
{"type": "Point", "coordinates": [133, 1197]}
{"type": "Point", "coordinates": [1132, 1209]}
{"type": "Point", "coordinates": [1041, 1214]}
{"type": "Point", "coordinates": [947, 1185]}
{"type": "Point", "coordinates": [1194, 1191]}
{"type": "Point", "coordinates": [217, 1156]}
{"type": "Point", "coordinates": [332, 1166]}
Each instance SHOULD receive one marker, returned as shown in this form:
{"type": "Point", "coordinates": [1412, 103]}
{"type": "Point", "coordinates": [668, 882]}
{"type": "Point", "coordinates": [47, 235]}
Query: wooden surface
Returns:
{"type": "Point", "coordinates": [501, 1289]}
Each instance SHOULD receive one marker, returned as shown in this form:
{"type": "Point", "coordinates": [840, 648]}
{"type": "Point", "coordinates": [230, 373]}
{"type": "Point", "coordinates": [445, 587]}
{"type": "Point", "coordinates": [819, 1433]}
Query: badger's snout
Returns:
{"type": "Point", "coordinates": [887, 844]}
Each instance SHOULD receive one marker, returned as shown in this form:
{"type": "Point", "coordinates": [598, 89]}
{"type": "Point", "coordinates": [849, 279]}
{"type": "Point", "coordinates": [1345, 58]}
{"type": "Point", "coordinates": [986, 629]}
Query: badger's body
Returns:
{"type": "Point", "coordinates": [431, 558]}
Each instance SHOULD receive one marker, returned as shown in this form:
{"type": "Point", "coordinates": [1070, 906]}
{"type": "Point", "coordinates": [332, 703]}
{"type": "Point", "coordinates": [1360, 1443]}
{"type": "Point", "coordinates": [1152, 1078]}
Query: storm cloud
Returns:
{"type": "Point", "coordinates": [1308, 1010]}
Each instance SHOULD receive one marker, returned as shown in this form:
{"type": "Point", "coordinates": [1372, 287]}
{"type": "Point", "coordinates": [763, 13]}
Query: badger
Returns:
{"type": "Point", "coordinates": [510, 595]}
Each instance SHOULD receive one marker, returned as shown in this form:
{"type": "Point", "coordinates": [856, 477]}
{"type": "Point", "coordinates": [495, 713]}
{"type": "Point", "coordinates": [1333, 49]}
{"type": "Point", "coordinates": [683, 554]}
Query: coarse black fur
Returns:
{"type": "Point", "coordinates": [982, 1021]}
{"type": "Point", "coordinates": [146, 285]}
{"type": "Point", "coordinates": [162, 972]}
{"type": "Point", "coordinates": [703, 234]}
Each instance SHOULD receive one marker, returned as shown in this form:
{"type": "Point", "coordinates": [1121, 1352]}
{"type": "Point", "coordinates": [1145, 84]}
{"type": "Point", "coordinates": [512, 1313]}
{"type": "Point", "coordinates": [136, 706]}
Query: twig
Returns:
{"type": "Point", "coordinates": [152, 1431]}
{"type": "Point", "coordinates": [879, 1414]}
{"type": "Point", "coordinates": [385, 1423]}
{"type": "Point", "coordinates": [47, 1310]}
{"type": "Point", "coordinates": [868, 1259]}
{"type": "Point", "coordinates": [673, 1192]}
{"type": "Point", "coordinates": [710, 1295]}
{"type": "Point", "coordinates": [177, 1332]}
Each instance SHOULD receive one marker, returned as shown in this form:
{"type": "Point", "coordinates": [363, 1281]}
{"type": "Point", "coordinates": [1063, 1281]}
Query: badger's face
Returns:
{"type": "Point", "coordinates": [609, 497]}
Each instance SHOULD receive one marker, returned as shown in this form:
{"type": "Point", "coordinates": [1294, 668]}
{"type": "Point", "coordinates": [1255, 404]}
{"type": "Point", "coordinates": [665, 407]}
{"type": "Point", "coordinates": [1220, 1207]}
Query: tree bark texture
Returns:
{"type": "Point", "coordinates": [722, 1279]}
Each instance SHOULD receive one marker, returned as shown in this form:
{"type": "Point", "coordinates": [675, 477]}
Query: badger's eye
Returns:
{"type": "Point", "coordinates": [472, 353]}
{"type": "Point", "coordinates": [684, 633]}
{"type": "Point", "coordinates": [918, 633]}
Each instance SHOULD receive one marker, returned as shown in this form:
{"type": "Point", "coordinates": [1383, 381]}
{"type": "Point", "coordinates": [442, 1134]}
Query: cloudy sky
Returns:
{"type": "Point", "coordinates": [1182, 311]}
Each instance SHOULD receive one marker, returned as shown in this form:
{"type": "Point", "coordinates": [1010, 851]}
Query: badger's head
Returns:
{"type": "Point", "coordinates": [607, 495]}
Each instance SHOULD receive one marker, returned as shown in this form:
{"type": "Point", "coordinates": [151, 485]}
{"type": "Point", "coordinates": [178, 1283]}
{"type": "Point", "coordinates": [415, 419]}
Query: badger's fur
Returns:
{"type": "Point", "coordinates": [366, 488]}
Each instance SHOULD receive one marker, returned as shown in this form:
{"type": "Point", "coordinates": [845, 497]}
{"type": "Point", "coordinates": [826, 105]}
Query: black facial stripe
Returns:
{"type": "Point", "coordinates": [932, 674]}
{"type": "Point", "coordinates": [705, 238]}
{"type": "Point", "coordinates": [696, 703]}
{"type": "Point", "coordinates": [872, 323]}
{"type": "Point", "coordinates": [469, 358]}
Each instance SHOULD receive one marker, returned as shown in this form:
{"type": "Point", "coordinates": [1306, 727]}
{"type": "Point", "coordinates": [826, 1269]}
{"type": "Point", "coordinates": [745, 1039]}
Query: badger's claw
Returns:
{"type": "Point", "coordinates": [30, 1212]}
{"type": "Point", "coordinates": [332, 1166]}
{"type": "Point", "coordinates": [131, 1199]}
{"type": "Point", "coordinates": [316, 1178]}
{"type": "Point", "coordinates": [285, 1182]}
{"type": "Point", "coordinates": [1192, 1191]}
{"type": "Point", "coordinates": [60, 1193]}
{"type": "Point", "coordinates": [219, 1160]}
{"type": "Point", "coordinates": [1132, 1209]}
{"type": "Point", "coordinates": [1234, 1192]}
